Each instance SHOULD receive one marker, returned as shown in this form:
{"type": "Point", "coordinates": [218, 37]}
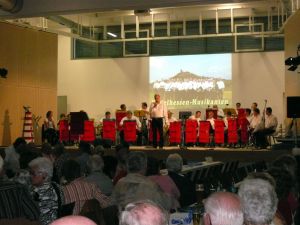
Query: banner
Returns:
{"type": "Point", "coordinates": [129, 128]}
{"type": "Point", "coordinates": [244, 123]}
{"type": "Point", "coordinates": [175, 132]}
{"type": "Point", "coordinates": [191, 131]}
{"type": "Point", "coordinates": [219, 131]}
{"type": "Point", "coordinates": [204, 132]}
{"type": "Point", "coordinates": [232, 131]}
{"type": "Point", "coordinates": [89, 131]}
{"type": "Point", "coordinates": [64, 130]}
{"type": "Point", "coordinates": [109, 130]}
{"type": "Point", "coordinates": [119, 116]}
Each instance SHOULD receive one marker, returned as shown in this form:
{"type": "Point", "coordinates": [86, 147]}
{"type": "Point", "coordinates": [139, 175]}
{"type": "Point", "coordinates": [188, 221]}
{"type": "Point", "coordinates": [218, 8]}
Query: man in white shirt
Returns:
{"type": "Point", "coordinates": [197, 117]}
{"type": "Point", "coordinates": [270, 126]}
{"type": "Point", "coordinates": [129, 116]}
{"type": "Point", "coordinates": [211, 119]}
{"type": "Point", "coordinates": [158, 111]}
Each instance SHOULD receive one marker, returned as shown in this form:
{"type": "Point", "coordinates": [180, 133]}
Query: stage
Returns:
{"type": "Point", "coordinates": [217, 153]}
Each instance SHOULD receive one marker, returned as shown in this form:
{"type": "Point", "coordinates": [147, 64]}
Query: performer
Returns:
{"type": "Point", "coordinates": [197, 117]}
{"type": "Point", "coordinates": [237, 107]}
{"type": "Point", "coordinates": [50, 133]}
{"type": "Point", "coordinates": [253, 106]}
{"type": "Point", "coordinates": [106, 117]}
{"type": "Point", "coordinates": [171, 118]}
{"type": "Point", "coordinates": [49, 121]}
{"type": "Point", "coordinates": [123, 107]}
{"type": "Point", "coordinates": [158, 111]}
{"type": "Point", "coordinates": [211, 119]}
{"type": "Point", "coordinates": [248, 114]}
{"type": "Point", "coordinates": [220, 112]}
{"type": "Point", "coordinates": [131, 117]}
{"type": "Point", "coordinates": [255, 120]}
{"type": "Point", "coordinates": [271, 123]}
{"type": "Point", "coordinates": [145, 123]}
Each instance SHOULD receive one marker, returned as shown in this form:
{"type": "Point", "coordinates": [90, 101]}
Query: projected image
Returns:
{"type": "Point", "coordinates": [192, 81]}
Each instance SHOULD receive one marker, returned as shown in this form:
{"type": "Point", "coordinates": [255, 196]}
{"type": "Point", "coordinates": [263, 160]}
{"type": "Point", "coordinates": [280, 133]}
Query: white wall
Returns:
{"type": "Point", "coordinates": [258, 76]}
{"type": "Point", "coordinates": [97, 85]}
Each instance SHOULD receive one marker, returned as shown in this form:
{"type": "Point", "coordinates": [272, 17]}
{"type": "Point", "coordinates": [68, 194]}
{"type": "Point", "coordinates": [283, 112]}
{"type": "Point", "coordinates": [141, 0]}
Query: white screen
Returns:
{"type": "Point", "coordinates": [192, 82]}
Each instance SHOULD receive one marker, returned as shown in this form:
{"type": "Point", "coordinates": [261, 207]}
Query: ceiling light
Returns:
{"type": "Point", "coordinates": [111, 34]}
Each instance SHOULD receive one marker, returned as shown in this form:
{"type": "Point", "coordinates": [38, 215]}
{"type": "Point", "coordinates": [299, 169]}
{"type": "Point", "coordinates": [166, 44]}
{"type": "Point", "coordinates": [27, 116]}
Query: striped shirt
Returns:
{"type": "Point", "coordinates": [79, 191]}
{"type": "Point", "coordinates": [16, 202]}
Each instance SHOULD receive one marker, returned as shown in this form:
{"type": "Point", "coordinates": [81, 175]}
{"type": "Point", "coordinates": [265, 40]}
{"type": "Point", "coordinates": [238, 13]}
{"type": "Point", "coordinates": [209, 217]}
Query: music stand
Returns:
{"type": "Point", "coordinates": [293, 111]}
{"type": "Point", "coordinates": [183, 115]}
{"type": "Point", "coordinates": [77, 122]}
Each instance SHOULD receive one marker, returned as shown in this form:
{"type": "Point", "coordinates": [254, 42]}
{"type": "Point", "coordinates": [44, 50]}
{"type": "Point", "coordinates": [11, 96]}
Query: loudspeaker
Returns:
{"type": "Point", "coordinates": [293, 106]}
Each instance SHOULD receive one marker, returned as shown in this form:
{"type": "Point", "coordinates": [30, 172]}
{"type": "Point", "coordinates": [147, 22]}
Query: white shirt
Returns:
{"type": "Point", "coordinates": [193, 117]}
{"type": "Point", "coordinates": [138, 123]}
{"type": "Point", "coordinates": [50, 123]}
{"type": "Point", "coordinates": [271, 122]}
{"type": "Point", "coordinates": [159, 111]}
{"type": "Point", "coordinates": [255, 120]}
{"type": "Point", "coordinates": [212, 122]}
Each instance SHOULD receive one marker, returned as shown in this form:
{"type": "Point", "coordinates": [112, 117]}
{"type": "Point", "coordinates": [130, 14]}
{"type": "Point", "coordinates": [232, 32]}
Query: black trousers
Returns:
{"type": "Point", "coordinates": [260, 137]}
{"type": "Point", "coordinates": [157, 125]}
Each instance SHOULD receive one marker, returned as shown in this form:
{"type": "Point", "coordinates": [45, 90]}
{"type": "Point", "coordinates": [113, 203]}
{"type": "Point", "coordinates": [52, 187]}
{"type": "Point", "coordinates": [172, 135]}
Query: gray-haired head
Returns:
{"type": "Point", "coordinates": [174, 163]}
{"type": "Point", "coordinates": [43, 165]}
{"type": "Point", "coordinates": [223, 208]}
{"type": "Point", "coordinates": [259, 201]}
{"type": "Point", "coordinates": [95, 163]}
{"type": "Point", "coordinates": [143, 213]}
{"type": "Point", "coordinates": [137, 162]}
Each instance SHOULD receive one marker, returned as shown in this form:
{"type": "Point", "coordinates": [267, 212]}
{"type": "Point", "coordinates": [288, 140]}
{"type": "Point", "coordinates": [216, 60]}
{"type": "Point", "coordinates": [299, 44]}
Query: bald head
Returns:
{"type": "Point", "coordinates": [223, 208]}
{"type": "Point", "coordinates": [73, 220]}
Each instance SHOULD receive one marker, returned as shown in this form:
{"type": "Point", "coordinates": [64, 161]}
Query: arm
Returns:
{"type": "Point", "coordinates": [31, 210]}
{"type": "Point", "coordinates": [101, 198]}
{"type": "Point", "coordinates": [165, 112]}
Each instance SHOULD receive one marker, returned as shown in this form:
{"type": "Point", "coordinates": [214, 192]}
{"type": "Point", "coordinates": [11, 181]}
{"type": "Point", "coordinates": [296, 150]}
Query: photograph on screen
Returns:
{"type": "Point", "coordinates": [192, 81]}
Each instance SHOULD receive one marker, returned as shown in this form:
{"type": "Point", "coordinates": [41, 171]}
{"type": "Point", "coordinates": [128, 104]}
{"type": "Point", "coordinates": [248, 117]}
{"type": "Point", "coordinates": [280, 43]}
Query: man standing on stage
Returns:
{"type": "Point", "coordinates": [158, 111]}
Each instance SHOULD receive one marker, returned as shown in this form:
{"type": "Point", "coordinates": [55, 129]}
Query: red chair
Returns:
{"type": "Point", "coordinates": [129, 128]}
{"type": "Point", "coordinates": [175, 132]}
{"type": "Point", "coordinates": [219, 131]}
{"type": "Point", "coordinates": [109, 130]}
{"type": "Point", "coordinates": [64, 134]}
{"type": "Point", "coordinates": [232, 131]}
{"type": "Point", "coordinates": [89, 132]}
{"type": "Point", "coordinates": [244, 124]}
{"type": "Point", "coordinates": [191, 131]}
{"type": "Point", "coordinates": [204, 136]}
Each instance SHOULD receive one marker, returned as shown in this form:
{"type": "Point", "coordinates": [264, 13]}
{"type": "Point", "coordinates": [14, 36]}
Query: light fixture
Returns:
{"type": "Point", "coordinates": [293, 62]}
{"type": "Point", "coordinates": [112, 34]}
{"type": "Point", "coordinates": [3, 73]}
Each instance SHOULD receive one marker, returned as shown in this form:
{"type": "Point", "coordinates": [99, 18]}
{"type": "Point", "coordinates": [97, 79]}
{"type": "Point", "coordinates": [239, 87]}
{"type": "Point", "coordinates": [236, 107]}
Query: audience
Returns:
{"type": "Point", "coordinates": [164, 181]}
{"type": "Point", "coordinates": [223, 208]}
{"type": "Point", "coordinates": [136, 187]}
{"type": "Point", "coordinates": [60, 157]}
{"type": "Point", "coordinates": [16, 202]}
{"type": "Point", "coordinates": [78, 190]}
{"type": "Point", "coordinates": [143, 213]}
{"type": "Point", "coordinates": [259, 201]}
{"type": "Point", "coordinates": [85, 149]}
{"type": "Point", "coordinates": [73, 220]}
{"type": "Point", "coordinates": [185, 186]}
{"type": "Point", "coordinates": [95, 165]}
{"type": "Point", "coordinates": [47, 195]}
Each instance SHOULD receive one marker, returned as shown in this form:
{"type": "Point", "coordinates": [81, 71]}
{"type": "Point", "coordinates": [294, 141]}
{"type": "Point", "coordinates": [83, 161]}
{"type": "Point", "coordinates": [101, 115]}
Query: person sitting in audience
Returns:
{"type": "Point", "coordinates": [131, 117]}
{"type": "Point", "coordinates": [259, 201]}
{"type": "Point", "coordinates": [16, 202]}
{"type": "Point", "coordinates": [223, 208]}
{"type": "Point", "coordinates": [136, 187]}
{"type": "Point", "coordinates": [95, 165]}
{"type": "Point", "coordinates": [121, 170]}
{"type": "Point", "coordinates": [197, 116]}
{"type": "Point", "coordinates": [185, 186]}
{"type": "Point", "coordinates": [73, 220]}
{"type": "Point", "coordinates": [60, 157]}
{"type": "Point", "coordinates": [143, 213]}
{"type": "Point", "coordinates": [269, 128]}
{"type": "Point", "coordinates": [78, 190]}
{"type": "Point", "coordinates": [47, 194]}
{"type": "Point", "coordinates": [12, 157]}
{"type": "Point", "coordinates": [85, 149]}
{"type": "Point", "coordinates": [164, 181]}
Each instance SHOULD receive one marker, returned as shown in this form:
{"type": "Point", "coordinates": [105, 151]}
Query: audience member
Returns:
{"type": "Point", "coordinates": [60, 157]}
{"type": "Point", "coordinates": [259, 201]}
{"type": "Point", "coordinates": [95, 165]}
{"type": "Point", "coordinates": [73, 220]}
{"type": "Point", "coordinates": [185, 186]}
{"type": "Point", "coordinates": [12, 156]}
{"type": "Point", "coordinates": [85, 149]}
{"type": "Point", "coordinates": [78, 190]}
{"type": "Point", "coordinates": [223, 208]}
{"type": "Point", "coordinates": [143, 213]}
{"type": "Point", "coordinates": [16, 202]}
{"type": "Point", "coordinates": [164, 181]}
{"type": "Point", "coordinates": [136, 187]}
{"type": "Point", "coordinates": [121, 170]}
{"type": "Point", "coordinates": [48, 195]}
